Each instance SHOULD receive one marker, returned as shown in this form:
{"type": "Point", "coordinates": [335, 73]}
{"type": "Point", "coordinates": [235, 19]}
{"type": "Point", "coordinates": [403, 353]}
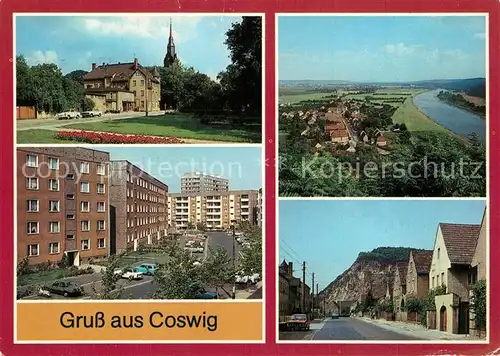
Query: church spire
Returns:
{"type": "Point", "coordinates": [171, 55]}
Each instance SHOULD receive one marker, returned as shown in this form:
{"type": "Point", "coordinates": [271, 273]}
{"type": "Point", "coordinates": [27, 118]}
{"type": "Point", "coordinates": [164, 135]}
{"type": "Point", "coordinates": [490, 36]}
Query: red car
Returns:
{"type": "Point", "coordinates": [299, 322]}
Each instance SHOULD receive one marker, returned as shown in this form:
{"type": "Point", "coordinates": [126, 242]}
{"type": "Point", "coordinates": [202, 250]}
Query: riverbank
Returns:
{"type": "Point", "coordinates": [414, 119]}
{"type": "Point", "coordinates": [456, 104]}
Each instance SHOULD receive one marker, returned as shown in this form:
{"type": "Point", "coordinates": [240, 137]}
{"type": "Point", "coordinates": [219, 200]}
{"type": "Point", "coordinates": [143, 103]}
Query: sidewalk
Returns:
{"type": "Point", "coordinates": [246, 293]}
{"type": "Point", "coordinates": [416, 330]}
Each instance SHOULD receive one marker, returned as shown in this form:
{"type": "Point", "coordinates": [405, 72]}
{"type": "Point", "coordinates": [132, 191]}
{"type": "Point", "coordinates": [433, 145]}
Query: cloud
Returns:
{"type": "Point", "coordinates": [39, 57]}
{"type": "Point", "coordinates": [480, 36]}
{"type": "Point", "coordinates": [184, 27]}
{"type": "Point", "coordinates": [400, 49]}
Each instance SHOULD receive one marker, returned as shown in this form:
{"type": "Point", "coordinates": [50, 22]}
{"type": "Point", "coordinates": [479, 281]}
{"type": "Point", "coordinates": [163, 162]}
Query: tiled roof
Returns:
{"type": "Point", "coordinates": [335, 126]}
{"type": "Point", "coordinates": [460, 241]}
{"type": "Point", "coordinates": [339, 133]}
{"type": "Point", "coordinates": [422, 260]}
{"type": "Point", "coordinates": [118, 72]}
{"type": "Point", "coordinates": [402, 270]}
{"type": "Point", "coordinates": [381, 139]}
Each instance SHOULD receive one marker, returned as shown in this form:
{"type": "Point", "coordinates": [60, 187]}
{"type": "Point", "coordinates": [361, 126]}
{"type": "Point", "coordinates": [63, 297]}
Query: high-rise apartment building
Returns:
{"type": "Point", "coordinates": [62, 204]}
{"type": "Point", "coordinates": [197, 182]}
{"type": "Point", "coordinates": [138, 207]}
{"type": "Point", "coordinates": [217, 210]}
{"type": "Point", "coordinates": [259, 208]}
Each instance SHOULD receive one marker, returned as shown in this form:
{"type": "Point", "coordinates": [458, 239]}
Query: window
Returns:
{"type": "Point", "coordinates": [70, 196]}
{"type": "Point", "coordinates": [54, 185]}
{"type": "Point", "coordinates": [70, 216]}
{"type": "Point", "coordinates": [142, 92]}
{"type": "Point", "coordinates": [134, 83]}
{"type": "Point", "coordinates": [142, 82]}
{"type": "Point", "coordinates": [70, 236]}
{"type": "Point", "coordinates": [442, 278]}
{"type": "Point", "coordinates": [54, 248]}
{"type": "Point", "coordinates": [84, 167]}
{"type": "Point", "coordinates": [85, 225]}
{"type": "Point", "coordinates": [101, 225]}
{"type": "Point", "coordinates": [54, 226]}
{"type": "Point", "coordinates": [32, 205]}
{"type": "Point", "coordinates": [31, 160]}
{"type": "Point", "coordinates": [84, 206]}
{"type": "Point", "coordinates": [101, 243]}
{"type": "Point", "coordinates": [32, 183]}
{"type": "Point", "coordinates": [33, 250]}
{"type": "Point", "coordinates": [142, 103]}
{"type": "Point", "coordinates": [100, 188]}
{"type": "Point", "coordinates": [439, 252]}
{"type": "Point", "coordinates": [101, 207]}
{"type": "Point", "coordinates": [101, 169]}
{"type": "Point", "coordinates": [53, 163]}
{"type": "Point", "coordinates": [53, 206]}
{"type": "Point", "coordinates": [85, 245]}
{"type": "Point", "coordinates": [433, 285]}
{"type": "Point", "coordinates": [84, 187]}
{"type": "Point", "coordinates": [70, 176]}
{"type": "Point", "coordinates": [32, 227]}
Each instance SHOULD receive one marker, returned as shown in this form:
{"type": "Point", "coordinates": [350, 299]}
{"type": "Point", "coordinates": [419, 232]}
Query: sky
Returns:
{"type": "Point", "coordinates": [381, 48]}
{"type": "Point", "coordinates": [75, 42]}
{"type": "Point", "coordinates": [241, 165]}
{"type": "Point", "coordinates": [329, 234]}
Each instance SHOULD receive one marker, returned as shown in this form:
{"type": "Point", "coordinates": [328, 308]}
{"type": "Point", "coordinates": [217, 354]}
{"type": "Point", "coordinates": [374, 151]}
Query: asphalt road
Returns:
{"type": "Point", "coordinates": [355, 329]}
{"type": "Point", "coordinates": [225, 240]}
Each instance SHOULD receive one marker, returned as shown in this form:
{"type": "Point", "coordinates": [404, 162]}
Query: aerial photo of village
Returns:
{"type": "Point", "coordinates": [392, 112]}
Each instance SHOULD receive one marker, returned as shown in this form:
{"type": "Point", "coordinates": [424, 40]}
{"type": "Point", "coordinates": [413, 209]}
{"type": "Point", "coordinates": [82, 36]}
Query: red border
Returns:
{"type": "Point", "coordinates": [269, 8]}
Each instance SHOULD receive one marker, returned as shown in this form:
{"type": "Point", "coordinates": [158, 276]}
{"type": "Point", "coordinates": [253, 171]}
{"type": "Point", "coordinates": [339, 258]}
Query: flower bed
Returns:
{"type": "Point", "coordinates": [105, 137]}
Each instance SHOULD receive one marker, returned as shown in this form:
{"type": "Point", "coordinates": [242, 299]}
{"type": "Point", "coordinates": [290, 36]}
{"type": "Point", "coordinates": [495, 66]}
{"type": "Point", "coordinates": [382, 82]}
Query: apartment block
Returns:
{"type": "Point", "coordinates": [138, 207]}
{"type": "Point", "coordinates": [197, 182]}
{"type": "Point", "coordinates": [62, 204]}
{"type": "Point", "coordinates": [259, 208]}
{"type": "Point", "coordinates": [217, 210]}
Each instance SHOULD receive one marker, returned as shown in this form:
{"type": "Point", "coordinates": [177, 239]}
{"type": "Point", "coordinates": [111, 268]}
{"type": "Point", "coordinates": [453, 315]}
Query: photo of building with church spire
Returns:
{"type": "Point", "coordinates": [173, 78]}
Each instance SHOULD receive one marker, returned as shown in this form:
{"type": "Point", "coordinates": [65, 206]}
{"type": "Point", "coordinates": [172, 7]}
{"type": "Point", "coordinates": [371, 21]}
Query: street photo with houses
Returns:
{"type": "Point", "coordinates": [386, 270]}
{"type": "Point", "coordinates": [379, 108]}
{"type": "Point", "coordinates": [139, 223]}
{"type": "Point", "coordinates": [166, 79]}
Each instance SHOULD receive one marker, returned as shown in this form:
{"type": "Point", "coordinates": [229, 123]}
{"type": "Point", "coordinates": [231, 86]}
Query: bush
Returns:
{"type": "Point", "coordinates": [479, 303]}
{"type": "Point", "coordinates": [23, 267]}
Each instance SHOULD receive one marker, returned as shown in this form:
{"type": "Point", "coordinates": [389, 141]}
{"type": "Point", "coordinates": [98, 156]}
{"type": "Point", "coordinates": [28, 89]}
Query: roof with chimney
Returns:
{"type": "Point", "coordinates": [460, 241]}
{"type": "Point", "coordinates": [119, 72]}
{"type": "Point", "coordinates": [422, 260]}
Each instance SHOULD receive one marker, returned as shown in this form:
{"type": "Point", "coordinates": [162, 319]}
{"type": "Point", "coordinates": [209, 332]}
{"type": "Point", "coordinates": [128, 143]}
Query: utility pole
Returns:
{"type": "Point", "coordinates": [312, 294]}
{"type": "Point", "coordinates": [234, 264]}
{"type": "Point", "coordinates": [317, 295]}
{"type": "Point", "coordinates": [302, 304]}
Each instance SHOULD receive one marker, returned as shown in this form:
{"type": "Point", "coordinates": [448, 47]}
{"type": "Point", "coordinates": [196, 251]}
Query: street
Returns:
{"type": "Point", "coordinates": [225, 240]}
{"type": "Point", "coordinates": [345, 328]}
{"type": "Point", "coordinates": [55, 124]}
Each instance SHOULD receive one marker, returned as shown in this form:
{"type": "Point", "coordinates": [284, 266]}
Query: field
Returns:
{"type": "Point", "coordinates": [292, 98]}
{"type": "Point", "coordinates": [473, 99]}
{"type": "Point", "coordinates": [391, 96]}
{"type": "Point", "coordinates": [414, 119]}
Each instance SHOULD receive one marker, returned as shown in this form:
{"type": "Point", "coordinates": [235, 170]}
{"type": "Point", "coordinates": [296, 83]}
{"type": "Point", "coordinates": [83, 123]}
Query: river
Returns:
{"type": "Point", "coordinates": [457, 120]}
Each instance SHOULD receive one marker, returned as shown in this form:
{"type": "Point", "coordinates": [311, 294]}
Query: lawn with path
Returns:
{"type": "Point", "coordinates": [179, 125]}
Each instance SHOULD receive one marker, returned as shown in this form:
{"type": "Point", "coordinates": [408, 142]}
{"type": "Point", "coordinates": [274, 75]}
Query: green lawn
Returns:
{"type": "Point", "coordinates": [414, 119]}
{"type": "Point", "coordinates": [39, 136]}
{"type": "Point", "coordinates": [40, 277]}
{"type": "Point", "coordinates": [298, 97]}
{"type": "Point", "coordinates": [181, 126]}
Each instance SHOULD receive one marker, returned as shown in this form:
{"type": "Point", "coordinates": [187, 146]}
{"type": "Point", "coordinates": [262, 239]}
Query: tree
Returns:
{"type": "Point", "coordinates": [191, 225]}
{"type": "Point", "coordinates": [109, 281]}
{"type": "Point", "coordinates": [479, 304]}
{"type": "Point", "coordinates": [251, 254]}
{"type": "Point", "coordinates": [217, 269]}
{"type": "Point", "coordinates": [242, 80]}
{"type": "Point", "coordinates": [201, 226]}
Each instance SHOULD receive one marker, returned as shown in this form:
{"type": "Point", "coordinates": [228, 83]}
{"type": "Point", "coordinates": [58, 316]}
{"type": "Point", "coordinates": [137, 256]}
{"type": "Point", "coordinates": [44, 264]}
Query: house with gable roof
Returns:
{"type": "Point", "coordinates": [417, 277]}
{"type": "Point", "coordinates": [454, 249]}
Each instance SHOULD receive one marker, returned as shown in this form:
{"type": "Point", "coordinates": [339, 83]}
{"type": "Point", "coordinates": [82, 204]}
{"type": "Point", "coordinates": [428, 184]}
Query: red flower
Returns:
{"type": "Point", "coordinates": [105, 137]}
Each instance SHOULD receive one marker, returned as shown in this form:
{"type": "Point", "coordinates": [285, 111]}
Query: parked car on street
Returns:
{"type": "Point", "coordinates": [92, 113]}
{"type": "Point", "coordinates": [335, 316]}
{"type": "Point", "coordinates": [130, 273]}
{"type": "Point", "coordinates": [68, 115]}
{"type": "Point", "coordinates": [64, 288]}
{"type": "Point", "coordinates": [147, 269]}
{"type": "Point", "coordinates": [299, 322]}
{"type": "Point", "coordinates": [203, 294]}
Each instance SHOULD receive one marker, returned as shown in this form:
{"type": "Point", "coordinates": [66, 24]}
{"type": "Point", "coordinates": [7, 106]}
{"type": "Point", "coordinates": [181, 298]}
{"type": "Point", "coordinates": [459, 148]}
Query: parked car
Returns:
{"type": "Point", "coordinates": [299, 322]}
{"type": "Point", "coordinates": [65, 288]}
{"type": "Point", "coordinates": [335, 316]}
{"type": "Point", "coordinates": [147, 269]}
{"type": "Point", "coordinates": [92, 113]}
{"type": "Point", "coordinates": [203, 294]}
{"type": "Point", "coordinates": [68, 115]}
{"type": "Point", "coordinates": [130, 273]}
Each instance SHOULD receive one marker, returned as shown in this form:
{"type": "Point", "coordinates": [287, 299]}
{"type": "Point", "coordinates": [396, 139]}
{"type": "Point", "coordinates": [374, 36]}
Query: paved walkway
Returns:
{"type": "Point", "coordinates": [247, 293]}
{"type": "Point", "coordinates": [416, 330]}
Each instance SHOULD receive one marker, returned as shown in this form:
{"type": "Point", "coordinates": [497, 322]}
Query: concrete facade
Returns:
{"type": "Point", "coordinates": [139, 203]}
{"type": "Point", "coordinates": [62, 204]}
{"type": "Point", "coordinates": [197, 182]}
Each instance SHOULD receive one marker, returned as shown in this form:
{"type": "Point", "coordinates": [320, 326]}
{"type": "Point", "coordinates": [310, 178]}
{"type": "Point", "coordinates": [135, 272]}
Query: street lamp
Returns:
{"type": "Point", "coordinates": [234, 264]}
